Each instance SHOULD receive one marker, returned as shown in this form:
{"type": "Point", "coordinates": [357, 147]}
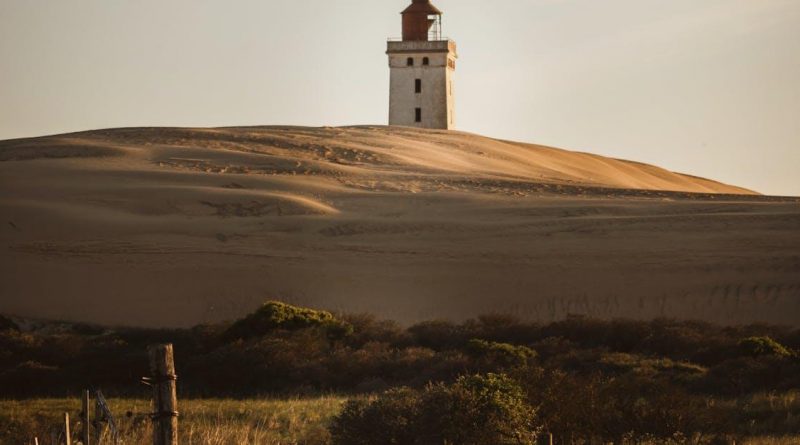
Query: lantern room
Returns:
{"type": "Point", "coordinates": [422, 22]}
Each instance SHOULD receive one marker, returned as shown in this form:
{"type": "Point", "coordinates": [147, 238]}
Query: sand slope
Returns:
{"type": "Point", "coordinates": [410, 224]}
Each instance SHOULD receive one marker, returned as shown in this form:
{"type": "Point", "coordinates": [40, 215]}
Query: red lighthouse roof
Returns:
{"type": "Point", "coordinates": [422, 21]}
{"type": "Point", "coordinates": [422, 7]}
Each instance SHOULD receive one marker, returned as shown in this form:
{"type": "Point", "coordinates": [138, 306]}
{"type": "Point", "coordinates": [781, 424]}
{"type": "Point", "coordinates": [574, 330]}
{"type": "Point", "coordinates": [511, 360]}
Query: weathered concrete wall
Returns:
{"type": "Point", "coordinates": [436, 99]}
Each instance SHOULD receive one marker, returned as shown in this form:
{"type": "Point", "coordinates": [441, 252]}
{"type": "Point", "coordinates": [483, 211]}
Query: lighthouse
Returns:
{"type": "Point", "coordinates": [422, 65]}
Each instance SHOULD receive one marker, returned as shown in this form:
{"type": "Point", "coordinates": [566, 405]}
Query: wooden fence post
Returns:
{"type": "Point", "coordinates": [68, 438]}
{"type": "Point", "coordinates": [99, 423]}
{"type": "Point", "coordinates": [85, 418]}
{"type": "Point", "coordinates": [104, 419]}
{"type": "Point", "coordinates": [165, 400]}
{"type": "Point", "coordinates": [545, 439]}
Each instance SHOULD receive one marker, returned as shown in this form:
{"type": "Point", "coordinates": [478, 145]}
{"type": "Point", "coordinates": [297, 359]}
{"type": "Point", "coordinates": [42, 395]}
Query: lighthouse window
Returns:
{"type": "Point", "coordinates": [418, 115]}
{"type": "Point", "coordinates": [426, 61]}
{"type": "Point", "coordinates": [418, 86]}
{"type": "Point", "coordinates": [410, 61]}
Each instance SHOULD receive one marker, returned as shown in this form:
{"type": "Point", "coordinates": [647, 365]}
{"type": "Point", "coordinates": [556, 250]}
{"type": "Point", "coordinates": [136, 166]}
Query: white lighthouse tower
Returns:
{"type": "Point", "coordinates": [422, 67]}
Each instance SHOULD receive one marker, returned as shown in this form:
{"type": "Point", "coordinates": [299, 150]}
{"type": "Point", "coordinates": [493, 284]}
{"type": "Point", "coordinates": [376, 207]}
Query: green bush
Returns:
{"type": "Point", "coordinates": [387, 419]}
{"type": "Point", "coordinates": [480, 409]}
{"type": "Point", "coordinates": [275, 315]}
{"type": "Point", "coordinates": [502, 355]}
{"type": "Point", "coordinates": [475, 410]}
{"type": "Point", "coordinates": [756, 346]}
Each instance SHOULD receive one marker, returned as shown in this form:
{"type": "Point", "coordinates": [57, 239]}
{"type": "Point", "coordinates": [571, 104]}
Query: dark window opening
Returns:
{"type": "Point", "coordinates": [426, 61]}
{"type": "Point", "coordinates": [418, 86]}
{"type": "Point", "coordinates": [418, 115]}
{"type": "Point", "coordinates": [410, 61]}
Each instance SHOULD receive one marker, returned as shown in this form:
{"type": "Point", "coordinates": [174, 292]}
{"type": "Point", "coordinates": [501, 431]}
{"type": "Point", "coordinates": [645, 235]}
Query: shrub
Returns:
{"type": "Point", "coordinates": [627, 409]}
{"type": "Point", "coordinates": [620, 363]}
{"type": "Point", "coordinates": [503, 328]}
{"type": "Point", "coordinates": [641, 410]}
{"type": "Point", "coordinates": [480, 409]}
{"type": "Point", "coordinates": [388, 419]}
{"type": "Point", "coordinates": [757, 346]}
{"type": "Point", "coordinates": [437, 335]}
{"type": "Point", "coordinates": [26, 374]}
{"type": "Point", "coordinates": [501, 355]}
{"type": "Point", "coordinates": [477, 409]}
{"type": "Point", "coordinates": [275, 315]}
{"type": "Point", "coordinates": [6, 324]}
{"type": "Point", "coordinates": [367, 329]}
{"type": "Point", "coordinates": [747, 374]}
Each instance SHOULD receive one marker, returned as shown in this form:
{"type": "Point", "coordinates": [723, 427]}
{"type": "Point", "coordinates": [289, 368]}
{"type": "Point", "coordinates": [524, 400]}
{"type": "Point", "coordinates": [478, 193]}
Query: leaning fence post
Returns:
{"type": "Point", "coordinates": [99, 422]}
{"type": "Point", "coordinates": [165, 400]}
{"type": "Point", "coordinates": [85, 418]}
{"type": "Point", "coordinates": [68, 439]}
{"type": "Point", "coordinates": [104, 417]}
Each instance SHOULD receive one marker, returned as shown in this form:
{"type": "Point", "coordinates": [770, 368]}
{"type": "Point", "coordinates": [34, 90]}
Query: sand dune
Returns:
{"type": "Point", "coordinates": [203, 224]}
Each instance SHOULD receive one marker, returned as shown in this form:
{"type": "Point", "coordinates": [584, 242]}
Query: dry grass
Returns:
{"type": "Point", "coordinates": [203, 421]}
{"type": "Point", "coordinates": [267, 422]}
{"type": "Point", "coordinates": [768, 416]}
{"type": "Point", "coordinates": [785, 440]}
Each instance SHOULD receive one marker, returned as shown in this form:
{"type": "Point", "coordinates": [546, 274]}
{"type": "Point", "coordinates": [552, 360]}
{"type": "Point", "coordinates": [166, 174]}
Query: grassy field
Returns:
{"type": "Point", "coordinates": [214, 421]}
{"type": "Point", "coordinates": [202, 421]}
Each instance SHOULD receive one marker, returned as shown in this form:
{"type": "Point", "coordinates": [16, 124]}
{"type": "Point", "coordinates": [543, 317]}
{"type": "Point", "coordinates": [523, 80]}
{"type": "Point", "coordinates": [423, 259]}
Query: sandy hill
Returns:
{"type": "Point", "coordinates": [171, 226]}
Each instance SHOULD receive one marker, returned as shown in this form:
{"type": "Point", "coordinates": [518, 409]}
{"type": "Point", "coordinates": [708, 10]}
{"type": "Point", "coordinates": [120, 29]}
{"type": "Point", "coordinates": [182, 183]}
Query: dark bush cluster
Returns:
{"type": "Point", "coordinates": [6, 324]}
{"type": "Point", "coordinates": [658, 377]}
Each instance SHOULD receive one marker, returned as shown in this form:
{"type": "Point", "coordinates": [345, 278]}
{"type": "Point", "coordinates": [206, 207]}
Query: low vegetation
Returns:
{"type": "Point", "coordinates": [475, 410]}
{"type": "Point", "coordinates": [491, 380]}
{"type": "Point", "coordinates": [276, 316]}
{"type": "Point", "coordinates": [203, 422]}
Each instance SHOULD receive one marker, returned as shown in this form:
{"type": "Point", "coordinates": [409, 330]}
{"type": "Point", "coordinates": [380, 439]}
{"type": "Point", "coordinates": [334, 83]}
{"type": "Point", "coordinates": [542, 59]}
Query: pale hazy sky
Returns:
{"type": "Point", "coordinates": [707, 87]}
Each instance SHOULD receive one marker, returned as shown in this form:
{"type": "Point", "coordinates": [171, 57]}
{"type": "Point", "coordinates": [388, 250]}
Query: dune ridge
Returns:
{"type": "Point", "coordinates": [412, 224]}
{"type": "Point", "coordinates": [364, 152]}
